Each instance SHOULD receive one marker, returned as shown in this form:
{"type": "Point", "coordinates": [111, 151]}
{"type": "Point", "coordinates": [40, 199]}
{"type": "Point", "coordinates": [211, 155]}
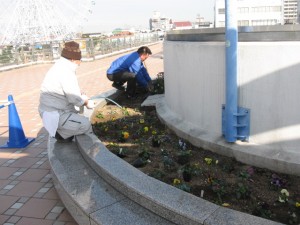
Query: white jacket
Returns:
{"type": "Point", "coordinates": [60, 90]}
{"type": "Point", "coordinates": [59, 94]}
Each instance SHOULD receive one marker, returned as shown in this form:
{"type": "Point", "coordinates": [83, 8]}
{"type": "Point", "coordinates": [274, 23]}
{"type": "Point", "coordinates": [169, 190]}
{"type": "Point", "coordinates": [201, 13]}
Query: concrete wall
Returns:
{"type": "Point", "coordinates": [268, 80]}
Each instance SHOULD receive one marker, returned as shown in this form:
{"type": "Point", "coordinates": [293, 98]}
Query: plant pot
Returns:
{"type": "Point", "coordinates": [187, 177]}
{"type": "Point", "coordinates": [155, 143]}
{"type": "Point", "coordinates": [121, 155]}
{"type": "Point", "coordinates": [183, 159]}
{"type": "Point", "coordinates": [122, 140]}
{"type": "Point", "coordinates": [139, 162]}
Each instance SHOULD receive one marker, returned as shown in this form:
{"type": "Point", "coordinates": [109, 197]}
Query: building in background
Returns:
{"type": "Point", "coordinates": [163, 23]}
{"type": "Point", "coordinates": [182, 25]}
{"type": "Point", "coordinates": [253, 12]}
{"type": "Point", "coordinates": [201, 23]}
{"type": "Point", "coordinates": [160, 23]}
{"type": "Point", "coordinates": [290, 11]}
{"type": "Point", "coordinates": [298, 11]}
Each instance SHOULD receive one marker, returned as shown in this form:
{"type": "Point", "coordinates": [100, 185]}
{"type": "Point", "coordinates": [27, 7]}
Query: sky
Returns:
{"type": "Point", "coordinates": [110, 14]}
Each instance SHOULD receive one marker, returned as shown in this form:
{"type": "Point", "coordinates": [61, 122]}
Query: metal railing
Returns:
{"type": "Point", "coordinates": [90, 48]}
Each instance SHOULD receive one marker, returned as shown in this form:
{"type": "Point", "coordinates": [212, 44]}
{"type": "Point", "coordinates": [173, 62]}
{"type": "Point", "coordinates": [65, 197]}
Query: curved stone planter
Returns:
{"type": "Point", "coordinates": [95, 188]}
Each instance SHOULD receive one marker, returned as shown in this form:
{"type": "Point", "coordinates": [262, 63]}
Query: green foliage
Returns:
{"type": "Point", "coordinates": [125, 111]}
{"type": "Point", "coordinates": [262, 209]}
{"type": "Point", "coordinates": [169, 163]}
{"type": "Point", "coordinates": [6, 55]}
{"type": "Point", "coordinates": [100, 116]}
{"type": "Point", "coordinates": [159, 84]}
{"type": "Point", "coordinates": [242, 191]}
{"type": "Point", "coordinates": [218, 187]}
{"type": "Point", "coordinates": [193, 169]}
{"type": "Point", "coordinates": [158, 174]}
{"type": "Point", "coordinates": [183, 186]}
{"type": "Point", "coordinates": [145, 155]}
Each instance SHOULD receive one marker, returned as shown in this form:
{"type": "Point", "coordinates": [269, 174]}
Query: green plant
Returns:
{"type": "Point", "coordinates": [183, 156]}
{"type": "Point", "coordinates": [193, 169]}
{"type": "Point", "coordinates": [158, 174]}
{"type": "Point", "coordinates": [125, 111]}
{"type": "Point", "coordinates": [262, 209]}
{"type": "Point", "coordinates": [155, 142]}
{"type": "Point", "coordinates": [99, 115]}
{"type": "Point", "coordinates": [218, 187]}
{"type": "Point", "coordinates": [182, 186]}
{"type": "Point", "coordinates": [122, 152]}
{"type": "Point", "coordinates": [246, 174]}
{"type": "Point", "coordinates": [145, 155]}
{"type": "Point", "coordinates": [242, 191]}
{"type": "Point", "coordinates": [169, 164]}
{"type": "Point", "coordinates": [189, 170]}
{"type": "Point", "coordinates": [159, 84]}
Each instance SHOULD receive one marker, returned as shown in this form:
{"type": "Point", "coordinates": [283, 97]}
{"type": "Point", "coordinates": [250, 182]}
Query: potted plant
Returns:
{"type": "Point", "coordinates": [187, 171]}
{"type": "Point", "coordinates": [121, 153]}
{"type": "Point", "coordinates": [155, 141]}
{"type": "Point", "coordinates": [184, 156]}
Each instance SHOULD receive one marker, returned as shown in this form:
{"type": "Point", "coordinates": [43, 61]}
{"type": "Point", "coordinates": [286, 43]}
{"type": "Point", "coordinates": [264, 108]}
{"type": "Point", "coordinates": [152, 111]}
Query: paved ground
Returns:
{"type": "Point", "coordinates": [27, 194]}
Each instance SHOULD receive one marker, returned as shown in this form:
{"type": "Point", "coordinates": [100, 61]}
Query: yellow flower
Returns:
{"type": "Point", "coordinates": [297, 204]}
{"type": "Point", "coordinates": [154, 132]}
{"type": "Point", "coordinates": [225, 204]}
{"type": "Point", "coordinates": [125, 135]}
{"type": "Point", "coordinates": [142, 121]}
{"type": "Point", "coordinates": [113, 119]}
{"type": "Point", "coordinates": [176, 181]}
{"type": "Point", "coordinates": [146, 129]}
{"type": "Point", "coordinates": [208, 161]}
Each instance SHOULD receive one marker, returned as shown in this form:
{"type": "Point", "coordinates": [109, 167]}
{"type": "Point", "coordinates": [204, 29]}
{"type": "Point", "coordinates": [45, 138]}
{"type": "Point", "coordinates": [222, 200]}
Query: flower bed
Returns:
{"type": "Point", "coordinates": [136, 135]}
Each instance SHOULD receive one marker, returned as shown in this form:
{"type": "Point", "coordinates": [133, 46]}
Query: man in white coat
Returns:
{"type": "Point", "coordinates": [59, 95]}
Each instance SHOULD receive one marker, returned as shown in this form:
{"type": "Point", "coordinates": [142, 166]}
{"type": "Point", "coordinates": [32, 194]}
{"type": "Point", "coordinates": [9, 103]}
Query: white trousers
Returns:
{"type": "Point", "coordinates": [71, 124]}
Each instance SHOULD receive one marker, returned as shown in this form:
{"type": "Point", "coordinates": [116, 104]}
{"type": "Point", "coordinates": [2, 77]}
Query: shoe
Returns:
{"type": "Point", "coordinates": [118, 86]}
{"type": "Point", "coordinates": [60, 139]}
{"type": "Point", "coordinates": [131, 96]}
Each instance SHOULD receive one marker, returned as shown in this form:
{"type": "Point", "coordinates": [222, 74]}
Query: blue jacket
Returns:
{"type": "Point", "coordinates": [131, 63]}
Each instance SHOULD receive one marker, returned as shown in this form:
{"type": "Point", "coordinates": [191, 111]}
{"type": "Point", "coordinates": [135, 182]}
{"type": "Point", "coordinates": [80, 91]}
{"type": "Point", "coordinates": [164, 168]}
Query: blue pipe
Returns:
{"type": "Point", "coordinates": [231, 36]}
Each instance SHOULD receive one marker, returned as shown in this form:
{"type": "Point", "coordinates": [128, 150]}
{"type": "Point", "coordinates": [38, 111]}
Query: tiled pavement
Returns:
{"type": "Point", "coordinates": [27, 194]}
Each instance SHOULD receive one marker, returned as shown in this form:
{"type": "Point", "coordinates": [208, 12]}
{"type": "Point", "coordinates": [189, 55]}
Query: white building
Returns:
{"type": "Point", "coordinates": [159, 22]}
{"type": "Point", "coordinates": [290, 11]}
{"type": "Point", "coordinates": [252, 12]}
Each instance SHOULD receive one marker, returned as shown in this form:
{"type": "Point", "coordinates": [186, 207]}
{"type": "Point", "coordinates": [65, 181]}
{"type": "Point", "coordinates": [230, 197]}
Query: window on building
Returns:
{"type": "Point", "coordinates": [243, 23]}
{"type": "Point", "coordinates": [266, 9]}
{"type": "Point", "coordinates": [243, 10]}
{"type": "Point", "coordinates": [221, 23]}
{"type": "Point", "coordinates": [222, 11]}
{"type": "Point", "coordinates": [264, 22]}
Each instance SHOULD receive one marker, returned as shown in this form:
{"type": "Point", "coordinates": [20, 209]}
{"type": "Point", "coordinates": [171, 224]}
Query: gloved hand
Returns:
{"type": "Point", "coordinates": [90, 104]}
{"type": "Point", "coordinates": [84, 97]}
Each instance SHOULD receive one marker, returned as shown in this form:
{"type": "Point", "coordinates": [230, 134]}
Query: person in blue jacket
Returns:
{"type": "Point", "coordinates": [130, 68]}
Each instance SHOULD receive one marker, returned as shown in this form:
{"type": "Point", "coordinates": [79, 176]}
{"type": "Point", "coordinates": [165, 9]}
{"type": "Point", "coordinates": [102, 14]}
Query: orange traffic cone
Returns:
{"type": "Point", "coordinates": [17, 138]}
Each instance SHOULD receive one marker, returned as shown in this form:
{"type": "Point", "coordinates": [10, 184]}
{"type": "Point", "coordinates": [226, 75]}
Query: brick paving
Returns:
{"type": "Point", "coordinates": [27, 194]}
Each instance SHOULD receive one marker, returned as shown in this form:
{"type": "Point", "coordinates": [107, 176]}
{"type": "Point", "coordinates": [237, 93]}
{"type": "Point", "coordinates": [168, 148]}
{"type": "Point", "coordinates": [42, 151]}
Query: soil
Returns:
{"type": "Point", "coordinates": [129, 132]}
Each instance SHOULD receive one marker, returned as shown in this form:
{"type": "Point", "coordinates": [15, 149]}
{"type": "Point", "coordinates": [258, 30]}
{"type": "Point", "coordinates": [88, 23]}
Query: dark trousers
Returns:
{"type": "Point", "coordinates": [122, 77]}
